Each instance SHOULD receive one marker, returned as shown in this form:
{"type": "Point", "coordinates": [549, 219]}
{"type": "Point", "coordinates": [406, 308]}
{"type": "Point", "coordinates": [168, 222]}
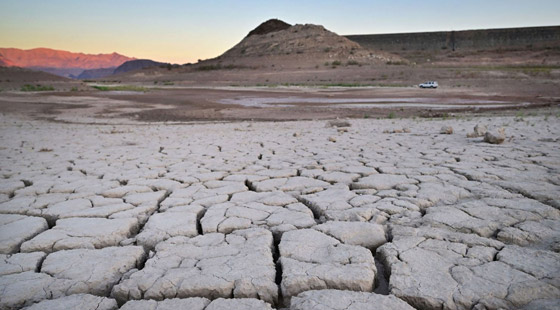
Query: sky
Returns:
{"type": "Point", "coordinates": [185, 31]}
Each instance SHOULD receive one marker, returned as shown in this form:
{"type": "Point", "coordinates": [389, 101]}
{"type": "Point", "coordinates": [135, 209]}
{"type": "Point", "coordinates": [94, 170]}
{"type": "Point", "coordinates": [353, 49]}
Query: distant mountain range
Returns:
{"type": "Point", "coordinates": [72, 65]}
{"type": "Point", "coordinates": [49, 58]}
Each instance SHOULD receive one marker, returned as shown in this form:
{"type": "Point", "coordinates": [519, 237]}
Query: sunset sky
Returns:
{"type": "Point", "coordinates": [184, 31]}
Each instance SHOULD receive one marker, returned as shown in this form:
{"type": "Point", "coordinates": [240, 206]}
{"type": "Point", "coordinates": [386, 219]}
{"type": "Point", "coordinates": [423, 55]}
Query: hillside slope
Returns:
{"type": "Point", "coordinates": [95, 73]}
{"type": "Point", "coordinates": [137, 64]}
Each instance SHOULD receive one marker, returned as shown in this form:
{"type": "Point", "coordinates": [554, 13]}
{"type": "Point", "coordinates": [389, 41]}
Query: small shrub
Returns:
{"type": "Point", "coordinates": [391, 115]}
{"type": "Point", "coordinates": [74, 88]}
{"type": "Point", "coordinates": [352, 63]}
{"type": "Point", "coordinates": [38, 87]}
{"type": "Point", "coordinates": [336, 63]}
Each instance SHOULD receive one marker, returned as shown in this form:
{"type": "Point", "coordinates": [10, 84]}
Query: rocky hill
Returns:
{"type": "Point", "coordinates": [277, 43]}
{"type": "Point", "coordinates": [95, 73]}
{"type": "Point", "coordinates": [137, 65]}
{"type": "Point", "coordinates": [128, 66]}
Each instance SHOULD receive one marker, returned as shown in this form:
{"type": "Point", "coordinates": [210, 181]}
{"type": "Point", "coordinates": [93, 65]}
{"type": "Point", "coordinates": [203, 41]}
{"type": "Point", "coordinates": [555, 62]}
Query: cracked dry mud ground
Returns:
{"type": "Point", "coordinates": [292, 215]}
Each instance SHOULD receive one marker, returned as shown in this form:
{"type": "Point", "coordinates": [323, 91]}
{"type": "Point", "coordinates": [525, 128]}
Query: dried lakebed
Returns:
{"type": "Point", "coordinates": [431, 103]}
{"type": "Point", "coordinates": [292, 215]}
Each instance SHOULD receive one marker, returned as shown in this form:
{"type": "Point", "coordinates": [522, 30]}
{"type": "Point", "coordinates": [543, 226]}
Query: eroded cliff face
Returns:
{"type": "Point", "coordinates": [469, 39]}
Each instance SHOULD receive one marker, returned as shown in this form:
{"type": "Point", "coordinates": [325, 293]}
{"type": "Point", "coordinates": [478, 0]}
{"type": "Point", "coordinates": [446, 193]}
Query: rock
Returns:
{"type": "Point", "coordinates": [332, 139]}
{"type": "Point", "coordinates": [213, 265]}
{"type": "Point", "coordinates": [495, 136]}
{"type": "Point", "coordinates": [335, 299]}
{"type": "Point", "coordinates": [95, 271]}
{"type": "Point", "coordinates": [338, 123]}
{"type": "Point", "coordinates": [20, 262]}
{"type": "Point", "coordinates": [312, 260]}
{"type": "Point", "coordinates": [15, 229]}
{"type": "Point", "coordinates": [82, 233]}
{"type": "Point", "coordinates": [76, 302]}
{"type": "Point", "coordinates": [446, 130]}
{"type": "Point", "coordinates": [480, 130]}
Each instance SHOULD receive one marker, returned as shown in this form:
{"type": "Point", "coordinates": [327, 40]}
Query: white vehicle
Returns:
{"type": "Point", "coordinates": [429, 84]}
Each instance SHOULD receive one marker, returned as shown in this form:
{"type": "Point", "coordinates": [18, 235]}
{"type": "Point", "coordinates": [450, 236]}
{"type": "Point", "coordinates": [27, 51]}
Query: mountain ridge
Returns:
{"type": "Point", "coordinates": [51, 58]}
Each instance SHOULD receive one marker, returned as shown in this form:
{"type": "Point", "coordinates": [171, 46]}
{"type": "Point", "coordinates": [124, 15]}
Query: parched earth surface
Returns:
{"type": "Point", "coordinates": [384, 214]}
